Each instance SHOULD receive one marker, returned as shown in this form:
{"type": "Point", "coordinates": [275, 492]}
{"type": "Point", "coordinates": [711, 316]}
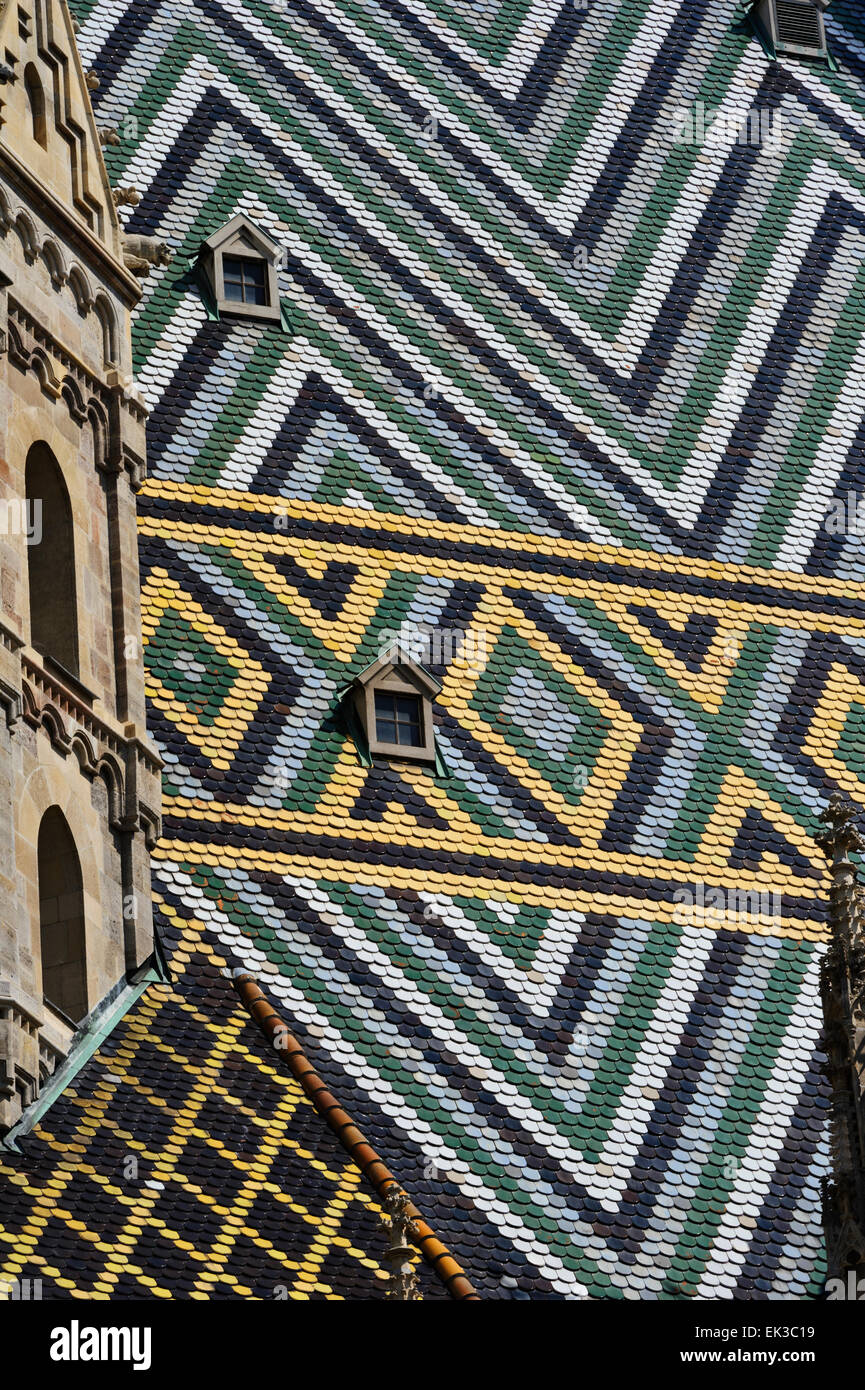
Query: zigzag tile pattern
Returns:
{"type": "Point", "coordinates": [554, 377]}
{"type": "Point", "coordinates": [496, 964]}
{"type": "Point", "coordinates": [659, 395]}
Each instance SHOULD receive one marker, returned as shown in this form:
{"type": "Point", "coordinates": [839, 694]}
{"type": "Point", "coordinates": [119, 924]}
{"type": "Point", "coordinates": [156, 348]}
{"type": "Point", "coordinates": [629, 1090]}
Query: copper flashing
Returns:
{"type": "Point", "coordinates": [368, 1161]}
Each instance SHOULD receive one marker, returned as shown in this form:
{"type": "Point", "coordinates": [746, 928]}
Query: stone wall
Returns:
{"type": "Point", "coordinates": [71, 739]}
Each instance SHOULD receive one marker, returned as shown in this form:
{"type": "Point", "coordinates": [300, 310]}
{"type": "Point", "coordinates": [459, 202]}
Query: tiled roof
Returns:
{"type": "Point", "coordinates": [371, 1164]}
{"type": "Point", "coordinates": [556, 377]}
{"type": "Point", "coordinates": [185, 1162]}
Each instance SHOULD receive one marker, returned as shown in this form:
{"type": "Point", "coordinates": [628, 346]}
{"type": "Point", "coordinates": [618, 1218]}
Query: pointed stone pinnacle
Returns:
{"type": "Point", "coordinates": [842, 834]}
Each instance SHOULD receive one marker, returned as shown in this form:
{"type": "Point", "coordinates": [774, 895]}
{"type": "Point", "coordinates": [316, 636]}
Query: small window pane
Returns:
{"type": "Point", "coordinates": [398, 719]}
{"type": "Point", "coordinates": [245, 282]}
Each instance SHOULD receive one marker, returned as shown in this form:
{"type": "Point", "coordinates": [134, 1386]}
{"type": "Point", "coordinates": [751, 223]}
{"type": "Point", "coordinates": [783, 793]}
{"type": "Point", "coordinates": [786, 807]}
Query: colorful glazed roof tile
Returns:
{"type": "Point", "coordinates": [571, 365]}
{"type": "Point", "coordinates": [185, 1162]}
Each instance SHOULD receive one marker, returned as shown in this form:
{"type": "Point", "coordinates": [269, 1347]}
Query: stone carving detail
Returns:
{"type": "Point", "coordinates": [36, 243]}
{"type": "Point", "coordinates": [63, 378]}
{"type": "Point", "coordinates": [141, 253]}
{"type": "Point", "coordinates": [126, 197]}
{"type": "Point", "coordinates": [402, 1285]}
{"type": "Point", "coordinates": [27, 1058]}
{"type": "Point", "coordinates": [73, 728]}
{"type": "Point", "coordinates": [842, 987]}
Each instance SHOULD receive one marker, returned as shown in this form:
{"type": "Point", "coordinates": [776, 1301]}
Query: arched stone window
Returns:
{"type": "Point", "coordinates": [51, 561]}
{"type": "Point", "coordinates": [108, 324]}
{"type": "Point", "coordinates": [61, 918]}
{"type": "Point", "coordinates": [36, 101]}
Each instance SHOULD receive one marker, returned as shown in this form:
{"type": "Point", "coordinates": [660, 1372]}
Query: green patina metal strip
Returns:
{"type": "Point", "coordinates": [97, 1028]}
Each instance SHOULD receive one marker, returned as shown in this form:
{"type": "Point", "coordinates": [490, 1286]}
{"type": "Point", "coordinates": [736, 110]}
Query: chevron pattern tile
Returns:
{"type": "Point", "coordinates": [555, 376]}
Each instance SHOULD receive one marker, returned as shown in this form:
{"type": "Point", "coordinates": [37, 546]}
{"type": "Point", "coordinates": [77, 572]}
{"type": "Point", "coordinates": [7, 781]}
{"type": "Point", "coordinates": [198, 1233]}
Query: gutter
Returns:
{"type": "Point", "coordinates": [368, 1161]}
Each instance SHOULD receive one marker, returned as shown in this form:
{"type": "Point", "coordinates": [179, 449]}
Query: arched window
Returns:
{"type": "Point", "coordinates": [61, 918]}
{"type": "Point", "coordinates": [36, 101]}
{"type": "Point", "coordinates": [108, 324]}
{"type": "Point", "coordinates": [51, 561]}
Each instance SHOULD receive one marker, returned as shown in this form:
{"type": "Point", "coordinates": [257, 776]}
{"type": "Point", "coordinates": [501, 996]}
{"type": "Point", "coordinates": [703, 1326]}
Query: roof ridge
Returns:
{"type": "Point", "coordinates": [277, 1032]}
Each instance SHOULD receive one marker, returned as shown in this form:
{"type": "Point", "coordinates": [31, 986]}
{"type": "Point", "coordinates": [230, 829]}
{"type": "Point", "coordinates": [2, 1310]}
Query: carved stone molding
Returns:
{"type": "Point", "coordinates": [32, 337]}
{"type": "Point", "coordinates": [59, 228]}
{"type": "Point", "coordinates": [10, 683]}
{"type": "Point", "coordinates": [27, 1057]}
{"type": "Point", "coordinates": [63, 377]}
{"type": "Point", "coordinates": [10, 702]}
{"type": "Point", "coordinates": [124, 764]}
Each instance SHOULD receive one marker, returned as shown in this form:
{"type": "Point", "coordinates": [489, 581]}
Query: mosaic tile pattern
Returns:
{"type": "Point", "coordinates": [452, 356]}
{"type": "Point", "coordinates": [184, 1162]}
{"type": "Point", "coordinates": [557, 378]}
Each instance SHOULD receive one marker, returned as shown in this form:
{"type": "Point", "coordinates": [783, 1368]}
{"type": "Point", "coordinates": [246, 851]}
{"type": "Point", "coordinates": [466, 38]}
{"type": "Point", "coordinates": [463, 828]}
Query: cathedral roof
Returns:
{"type": "Point", "coordinates": [569, 376]}
{"type": "Point", "coordinates": [185, 1161]}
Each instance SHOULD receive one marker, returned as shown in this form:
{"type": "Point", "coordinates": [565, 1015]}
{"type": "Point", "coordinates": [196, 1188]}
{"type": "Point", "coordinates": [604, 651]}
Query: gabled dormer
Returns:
{"type": "Point", "coordinates": [393, 699]}
{"type": "Point", "coordinates": [793, 27]}
{"type": "Point", "coordinates": [240, 262]}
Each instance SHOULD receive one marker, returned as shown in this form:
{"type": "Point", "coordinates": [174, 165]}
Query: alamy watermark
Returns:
{"type": "Point", "coordinates": [22, 516]}
{"type": "Point", "coordinates": [436, 646]}
{"type": "Point", "coordinates": [702, 125]}
{"type": "Point", "coordinates": [845, 516]}
{"type": "Point", "coordinates": [698, 906]}
{"type": "Point", "coordinates": [851, 1290]}
{"type": "Point", "coordinates": [20, 1290]}
{"type": "Point", "coordinates": [77, 1343]}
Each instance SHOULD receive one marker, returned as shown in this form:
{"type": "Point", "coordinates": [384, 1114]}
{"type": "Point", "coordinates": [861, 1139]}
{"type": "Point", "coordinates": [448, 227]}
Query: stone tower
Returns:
{"type": "Point", "coordinates": [79, 783]}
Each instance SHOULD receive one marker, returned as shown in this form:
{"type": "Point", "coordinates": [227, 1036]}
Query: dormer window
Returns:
{"type": "Point", "coordinates": [392, 699]}
{"type": "Point", "coordinates": [794, 26]}
{"type": "Point", "coordinates": [240, 263]}
{"type": "Point", "coordinates": [245, 281]}
{"type": "Point", "coordinates": [399, 719]}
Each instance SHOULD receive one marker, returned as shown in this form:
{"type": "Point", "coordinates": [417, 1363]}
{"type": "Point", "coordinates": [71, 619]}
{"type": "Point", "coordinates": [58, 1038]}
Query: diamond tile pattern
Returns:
{"type": "Point", "coordinates": [587, 390]}
{"type": "Point", "coordinates": [184, 1162]}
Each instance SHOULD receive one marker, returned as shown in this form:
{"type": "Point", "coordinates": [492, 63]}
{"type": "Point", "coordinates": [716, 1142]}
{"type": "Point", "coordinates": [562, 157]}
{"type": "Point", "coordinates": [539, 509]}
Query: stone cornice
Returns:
{"type": "Point", "coordinates": [14, 997]}
{"type": "Point", "coordinates": [128, 763]}
{"type": "Point", "coordinates": [28, 337]}
{"type": "Point", "coordinates": [116, 738]}
{"type": "Point", "coordinates": [9, 638]}
{"type": "Point", "coordinates": [70, 230]}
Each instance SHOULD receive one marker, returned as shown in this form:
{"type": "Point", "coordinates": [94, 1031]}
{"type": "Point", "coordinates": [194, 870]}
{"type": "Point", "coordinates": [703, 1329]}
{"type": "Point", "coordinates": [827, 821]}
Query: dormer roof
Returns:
{"type": "Point", "coordinates": [239, 231]}
{"type": "Point", "coordinates": [397, 658]}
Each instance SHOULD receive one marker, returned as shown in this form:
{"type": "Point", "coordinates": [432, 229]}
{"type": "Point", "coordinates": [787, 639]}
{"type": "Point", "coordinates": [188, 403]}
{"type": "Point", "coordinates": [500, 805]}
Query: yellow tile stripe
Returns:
{"type": "Point", "coordinates": [396, 523]}
{"type": "Point", "coordinates": [425, 880]}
